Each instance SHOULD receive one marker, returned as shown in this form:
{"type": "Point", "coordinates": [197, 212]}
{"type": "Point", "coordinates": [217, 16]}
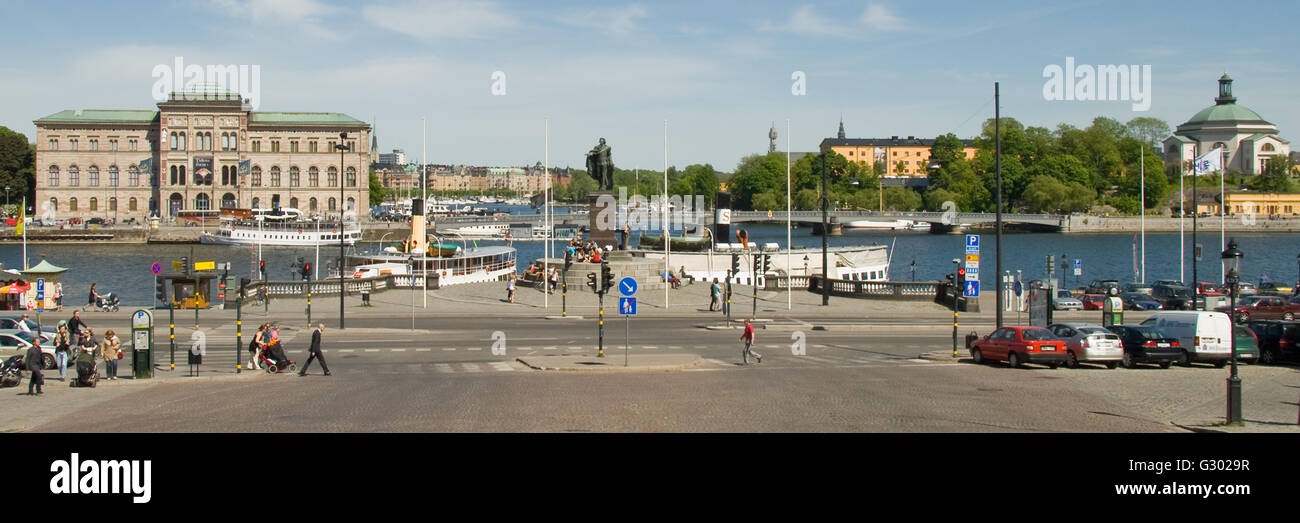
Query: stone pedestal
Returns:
{"type": "Point", "coordinates": [601, 227]}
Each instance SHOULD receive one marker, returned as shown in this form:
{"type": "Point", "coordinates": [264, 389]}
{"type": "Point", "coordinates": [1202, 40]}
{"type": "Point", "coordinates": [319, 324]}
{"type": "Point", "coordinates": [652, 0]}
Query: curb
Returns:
{"type": "Point", "coordinates": [612, 367]}
{"type": "Point", "coordinates": [1201, 430]}
{"type": "Point", "coordinates": [562, 317]}
{"type": "Point", "coordinates": [942, 355]}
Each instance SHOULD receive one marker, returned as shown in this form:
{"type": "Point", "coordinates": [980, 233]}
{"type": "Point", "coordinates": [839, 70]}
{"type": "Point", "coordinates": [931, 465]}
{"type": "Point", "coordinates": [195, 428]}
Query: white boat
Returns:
{"type": "Point", "coordinates": [859, 263]}
{"type": "Point", "coordinates": [473, 265]}
{"type": "Point", "coordinates": [886, 225]}
{"type": "Point", "coordinates": [487, 230]}
{"type": "Point", "coordinates": [295, 234]}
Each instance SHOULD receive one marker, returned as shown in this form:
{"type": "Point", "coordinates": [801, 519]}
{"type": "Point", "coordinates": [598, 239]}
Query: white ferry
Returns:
{"type": "Point", "coordinates": [474, 265]}
{"type": "Point", "coordinates": [486, 230]}
{"type": "Point", "coordinates": [858, 263]}
{"type": "Point", "coordinates": [887, 225]}
{"type": "Point", "coordinates": [260, 228]}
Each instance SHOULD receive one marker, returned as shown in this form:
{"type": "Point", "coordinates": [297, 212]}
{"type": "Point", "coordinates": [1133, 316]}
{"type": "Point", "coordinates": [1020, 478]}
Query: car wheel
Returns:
{"type": "Point", "coordinates": [1185, 359]}
{"type": "Point", "coordinates": [1071, 361]}
{"type": "Point", "coordinates": [1220, 364]}
{"type": "Point", "coordinates": [1267, 357]}
{"type": "Point", "coordinates": [1013, 360]}
{"type": "Point", "coordinates": [1288, 316]}
{"type": "Point", "coordinates": [1166, 364]}
{"type": "Point", "coordinates": [977, 356]}
{"type": "Point", "coordinates": [47, 361]}
{"type": "Point", "coordinates": [1245, 316]}
{"type": "Point", "coordinates": [1128, 361]}
{"type": "Point", "coordinates": [1054, 365]}
{"type": "Point", "coordinates": [1112, 364]}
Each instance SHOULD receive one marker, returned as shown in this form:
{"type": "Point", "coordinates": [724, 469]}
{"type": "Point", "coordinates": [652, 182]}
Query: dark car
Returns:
{"type": "Point", "coordinates": [1263, 307]}
{"type": "Point", "coordinates": [1172, 297]}
{"type": "Point", "coordinates": [1278, 340]}
{"type": "Point", "coordinates": [1102, 287]}
{"type": "Point", "coordinates": [1147, 345]}
{"type": "Point", "coordinates": [1245, 343]}
{"type": "Point", "coordinates": [1136, 301]}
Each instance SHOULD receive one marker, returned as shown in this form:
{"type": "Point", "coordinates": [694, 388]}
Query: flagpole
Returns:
{"type": "Point", "coordinates": [789, 291]}
{"type": "Point", "coordinates": [664, 205]}
{"type": "Point", "coordinates": [1223, 216]}
{"type": "Point", "coordinates": [424, 197]}
{"type": "Point", "coordinates": [1142, 206]}
{"type": "Point", "coordinates": [546, 218]}
{"type": "Point", "coordinates": [1182, 213]}
{"type": "Point", "coordinates": [23, 216]}
{"type": "Point", "coordinates": [1196, 212]}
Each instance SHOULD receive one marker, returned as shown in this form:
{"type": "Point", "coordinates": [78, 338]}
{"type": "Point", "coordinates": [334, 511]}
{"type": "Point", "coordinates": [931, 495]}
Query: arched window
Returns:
{"type": "Point", "coordinates": [182, 138]}
{"type": "Point", "coordinates": [177, 203]}
{"type": "Point", "coordinates": [93, 174]}
{"type": "Point", "coordinates": [72, 204]}
{"type": "Point", "coordinates": [293, 203]}
{"type": "Point", "coordinates": [74, 176]}
{"type": "Point", "coordinates": [234, 141]}
{"type": "Point", "coordinates": [173, 141]}
{"type": "Point", "coordinates": [352, 176]}
{"type": "Point", "coordinates": [225, 175]}
{"type": "Point", "coordinates": [94, 204]}
{"type": "Point", "coordinates": [313, 177]}
{"type": "Point", "coordinates": [112, 176]}
{"type": "Point", "coordinates": [54, 204]}
{"type": "Point", "coordinates": [293, 177]}
{"type": "Point", "coordinates": [131, 205]}
{"type": "Point", "coordinates": [352, 205]}
{"type": "Point", "coordinates": [181, 176]}
{"type": "Point", "coordinates": [228, 201]}
{"type": "Point", "coordinates": [275, 176]}
{"type": "Point", "coordinates": [311, 205]}
{"type": "Point", "coordinates": [133, 175]}
{"type": "Point", "coordinates": [202, 203]}
{"type": "Point", "coordinates": [173, 173]}
{"type": "Point", "coordinates": [54, 176]}
{"type": "Point", "coordinates": [257, 176]}
{"type": "Point", "coordinates": [257, 202]}
{"type": "Point", "coordinates": [1268, 148]}
{"type": "Point", "coordinates": [225, 141]}
{"type": "Point", "coordinates": [112, 203]}
{"type": "Point", "coordinates": [333, 204]}
{"type": "Point", "coordinates": [333, 175]}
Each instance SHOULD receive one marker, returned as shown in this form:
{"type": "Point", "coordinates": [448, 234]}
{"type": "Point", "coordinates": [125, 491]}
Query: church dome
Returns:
{"type": "Point", "coordinates": [1226, 113]}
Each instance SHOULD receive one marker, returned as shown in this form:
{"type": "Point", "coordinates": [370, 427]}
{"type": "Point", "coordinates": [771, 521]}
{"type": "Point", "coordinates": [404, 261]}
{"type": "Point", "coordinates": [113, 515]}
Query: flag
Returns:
{"type": "Point", "coordinates": [146, 166]}
{"type": "Point", "coordinates": [1210, 162]}
{"type": "Point", "coordinates": [22, 217]}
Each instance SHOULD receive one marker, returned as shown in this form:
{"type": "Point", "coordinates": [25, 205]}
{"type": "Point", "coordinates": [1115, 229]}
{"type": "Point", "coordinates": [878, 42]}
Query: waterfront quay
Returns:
{"type": "Point", "coordinates": [472, 362]}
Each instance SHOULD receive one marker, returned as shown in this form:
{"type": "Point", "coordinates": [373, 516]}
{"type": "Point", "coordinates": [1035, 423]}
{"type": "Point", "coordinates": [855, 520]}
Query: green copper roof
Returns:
{"type": "Point", "coordinates": [1226, 113]}
{"type": "Point", "coordinates": [100, 115]}
{"type": "Point", "coordinates": [303, 118]}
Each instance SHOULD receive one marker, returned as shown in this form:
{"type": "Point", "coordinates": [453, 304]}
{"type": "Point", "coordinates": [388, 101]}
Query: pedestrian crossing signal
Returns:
{"type": "Point", "coordinates": [306, 271]}
{"type": "Point", "coordinates": [591, 281]}
{"type": "Point", "coordinates": [606, 277]}
{"type": "Point", "coordinates": [160, 291]}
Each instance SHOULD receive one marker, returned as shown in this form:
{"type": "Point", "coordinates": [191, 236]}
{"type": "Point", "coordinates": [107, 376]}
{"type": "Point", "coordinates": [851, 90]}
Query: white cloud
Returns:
{"type": "Point", "coordinates": [805, 20]}
{"type": "Point", "coordinates": [613, 21]}
{"type": "Point", "coordinates": [302, 15]}
{"type": "Point", "coordinates": [431, 19]}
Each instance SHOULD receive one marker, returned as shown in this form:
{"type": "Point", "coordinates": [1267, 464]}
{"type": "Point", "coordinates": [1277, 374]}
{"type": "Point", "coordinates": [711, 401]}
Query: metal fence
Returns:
{"type": "Point", "coordinates": [909, 290]}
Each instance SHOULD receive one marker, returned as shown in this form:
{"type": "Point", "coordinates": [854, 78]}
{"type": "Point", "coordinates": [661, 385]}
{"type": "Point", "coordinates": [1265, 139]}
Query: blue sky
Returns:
{"type": "Point", "coordinates": [719, 72]}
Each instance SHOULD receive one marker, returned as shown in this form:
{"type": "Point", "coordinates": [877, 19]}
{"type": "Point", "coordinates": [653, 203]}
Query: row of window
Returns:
{"type": "Point", "coordinates": [203, 141]}
{"type": "Point", "coordinates": [92, 173]}
{"type": "Point", "coordinates": [1260, 209]}
{"type": "Point", "coordinates": [131, 205]}
{"type": "Point", "coordinates": [312, 146]}
{"type": "Point", "coordinates": [230, 176]}
{"type": "Point", "coordinates": [203, 202]}
{"type": "Point", "coordinates": [74, 144]}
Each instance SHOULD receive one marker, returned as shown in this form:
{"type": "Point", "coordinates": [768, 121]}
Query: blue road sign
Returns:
{"type": "Point", "coordinates": [972, 289]}
{"type": "Point", "coordinates": [40, 288]}
{"type": "Point", "coordinates": [973, 240]}
{"type": "Point", "coordinates": [627, 286]}
{"type": "Point", "coordinates": [1078, 264]}
{"type": "Point", "coordinates": [1018, 288]}
{"type": "Point", "coordinates": [627, 306]}
{"type": "Point", "coordinates": [156, 268]}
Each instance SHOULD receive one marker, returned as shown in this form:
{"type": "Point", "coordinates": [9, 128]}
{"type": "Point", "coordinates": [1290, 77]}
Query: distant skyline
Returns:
{"type": "Point", "coordinates": [720, 73]}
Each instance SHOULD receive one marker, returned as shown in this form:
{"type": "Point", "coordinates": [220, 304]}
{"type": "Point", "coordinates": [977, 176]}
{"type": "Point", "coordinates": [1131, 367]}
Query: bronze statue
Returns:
{"type": "Point", "coordinates": [601, 166]}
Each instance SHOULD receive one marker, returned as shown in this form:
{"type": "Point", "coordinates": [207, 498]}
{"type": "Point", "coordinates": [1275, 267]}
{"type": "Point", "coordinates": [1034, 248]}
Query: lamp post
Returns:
{"type": "Point", "coordinates": [1232, 263]}
{"type": "Point", "coordinates": [913, 271]}
{"type": "Point", "coordinates": [997, 167]}
{"type": "Point", "coordinates": [826, 231]}
{"type": "Point", "coordinates": [1296, 288]}
{"type": "Point", "coordinates": [956, 266]}
{"type": "Point", "coordinates": [342, 147]}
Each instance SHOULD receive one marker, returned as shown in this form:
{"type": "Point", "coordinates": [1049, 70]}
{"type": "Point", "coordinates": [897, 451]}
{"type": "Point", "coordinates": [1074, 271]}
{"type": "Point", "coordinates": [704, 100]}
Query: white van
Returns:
{"type": "Point", "coordinates": [1205, 336]}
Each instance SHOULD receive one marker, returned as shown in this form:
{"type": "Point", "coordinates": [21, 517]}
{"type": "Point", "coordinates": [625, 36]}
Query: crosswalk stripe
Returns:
{"type": "Point", "coordinates": [525, 348]}
{"type": "Point", "coordinates": [347, 350]}
{"type": "Point", "coordinates": [475, 348]}
{"type": "Point", "coordinates": [471, 367]}
{"type": "Point", "coordinates": [423, 350]}
{"type": "Point", "coordinates": [575, 347]}
{"type": "Point", "coordinates": [502, 366]}
{"type": "Point", "coordinates": [443, 367]}
{"type": "Point", "coordinates": [445, 349]}
{"type": "Point", "coordinates": [717, 362]}
{"type": "Point", "coordinates": [550, 348]}
{"type": "Point", "coordinates": [399, 350]}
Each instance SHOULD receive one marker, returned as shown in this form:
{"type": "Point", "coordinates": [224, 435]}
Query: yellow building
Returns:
{"type": "Point", "coordinates": [1265, 204]}
{"type": "Point", "coordinates": [908, 156]}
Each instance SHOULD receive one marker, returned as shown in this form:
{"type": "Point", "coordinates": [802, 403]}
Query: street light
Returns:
{"type": "Point", "coordinates": [826, 231]}
{"type": "Point", "coordinates": [956, 266]}
{"type": "Point", "coordinates": [342, 147]}
{"type": "Point", "coordinates": [1232, 263]}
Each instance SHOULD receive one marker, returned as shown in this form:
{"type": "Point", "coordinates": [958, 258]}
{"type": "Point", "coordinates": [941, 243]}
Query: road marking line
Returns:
{"type": "Point", "coordinates": [398, 350]}
{"type": "Point", "coordinates": [649, 346]}
{"type": "Point", "coordinates": [449, 349]}
{"type": "Point", "coordinates": [525, 348]}
{"type": "Point", "coordinates": [347, 350]}
{"type": "Point", "coordinates": [701, 370]}
{"type": "Point", "coordinates": [471, 367]}
{"type": "Point", "coordinates": [372, 350]}
{"type": "Point", "coordinates": [575, 347]}
{"type": "Point", "coordinates": [443, 367]}
{"type": "Point", "coordinates": [819, 360]}
{"type": "Point", "coordinates": [550, 348]}
{"type": "Point", "coordinates": [423, 350]}
{"type": "Point", "coordinates": [718, 362]}
{"type": "Point", "coordinates": [502, 366]}
{"type": "Point", "coordinates": [475, 348]}
{"type": "Point", "coordinates": [772, 346]}
{"type": "Point", "coordinates": [675, 347]}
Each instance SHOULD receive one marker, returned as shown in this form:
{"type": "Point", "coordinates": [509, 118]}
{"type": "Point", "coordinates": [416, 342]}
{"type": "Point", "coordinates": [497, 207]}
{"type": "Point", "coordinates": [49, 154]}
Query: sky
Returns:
{"type": "Point", "coordinates": [489, 76]}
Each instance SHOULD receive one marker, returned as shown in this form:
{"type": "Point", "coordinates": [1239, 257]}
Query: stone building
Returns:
{"type": "Point", "coordinates": [1249, 141]}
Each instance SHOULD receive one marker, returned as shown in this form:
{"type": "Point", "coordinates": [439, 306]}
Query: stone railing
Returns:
{"type": "Point", "coordinates": [330, 287]}
{"type": "Point", "coordinates": [908, 290]}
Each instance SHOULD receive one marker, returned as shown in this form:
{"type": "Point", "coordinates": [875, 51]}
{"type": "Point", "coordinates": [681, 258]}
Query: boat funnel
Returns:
{"type": "Point", "coordinates": [722, 218]}
{"type": "Point", "coordinates": [417, 242]}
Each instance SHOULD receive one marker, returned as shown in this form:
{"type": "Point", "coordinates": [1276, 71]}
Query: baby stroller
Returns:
{"type": "Point", "coordinates": [106, 302]}
{"type": "Point", "coordinates": [274, 360]}
{"type": "Point", "coordinates": [11, 372]}
{"type": "Point", "coordinates": [87, 371]}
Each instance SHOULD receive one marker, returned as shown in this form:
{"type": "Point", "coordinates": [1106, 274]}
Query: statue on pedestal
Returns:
{"type": "Point", "coordinates": [600, 166]}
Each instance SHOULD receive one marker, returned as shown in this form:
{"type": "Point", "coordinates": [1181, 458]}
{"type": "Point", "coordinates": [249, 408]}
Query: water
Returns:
{"type": "Point", "coordinates": [124, 269]}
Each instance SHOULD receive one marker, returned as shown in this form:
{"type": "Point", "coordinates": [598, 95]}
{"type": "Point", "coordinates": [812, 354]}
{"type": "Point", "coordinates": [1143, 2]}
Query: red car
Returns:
{"type": "Point", "coordinates": [1092, 302]}
{"type": "Point", "coordinates": [1263, 307]}
{"type": "Point", "coordinates": [1017, 345]}
{"type": "Point", "coordinates": [1210, 289]}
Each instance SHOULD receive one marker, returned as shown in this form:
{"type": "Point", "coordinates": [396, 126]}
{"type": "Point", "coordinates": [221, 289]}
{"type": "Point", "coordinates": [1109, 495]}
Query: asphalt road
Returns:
{"type": "Point", "coordinates": [447, 378]}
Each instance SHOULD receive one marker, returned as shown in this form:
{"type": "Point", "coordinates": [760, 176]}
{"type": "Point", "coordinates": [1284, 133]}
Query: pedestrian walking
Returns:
{"type": "Point", "coordinates": [62, 349]}
{"type": "Point", "coordinates": [555, 279]}
{"type": "Point", "coordinates": [35, 361]}
{"type": "Point", "coordinates": [510, 288]}
{"type": "Point", "coordinates": [314, 353]}
{"type": "Point", "coordinates": [58, 296]}
{"type": "Point", "coordinates": [715, 295]}
{"type": "Point", "coordinates": [110, 350]}
{"type": "Point", "coordinates": [75, 326]}
{"type": "Point", "coordinates": [90, 302]}
{"type": "Point", "coordinates": [748, 338]}
{"type": "Point", "coordinates": [254, 346]}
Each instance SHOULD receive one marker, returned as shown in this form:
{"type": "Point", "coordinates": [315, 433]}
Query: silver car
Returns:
{"type": "Point", "coordinates": [1065, 301]}
{"type": "Point", "coordinates": [1088, 342]}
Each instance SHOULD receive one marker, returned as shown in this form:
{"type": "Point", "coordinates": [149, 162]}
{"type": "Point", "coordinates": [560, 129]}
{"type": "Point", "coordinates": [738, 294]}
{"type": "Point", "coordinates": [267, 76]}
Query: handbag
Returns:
{"type": "Point", "coordinates": [119, 355]}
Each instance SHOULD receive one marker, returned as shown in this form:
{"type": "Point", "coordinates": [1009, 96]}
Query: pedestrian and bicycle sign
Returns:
{"type": "Point", "coordinates": [626, 305]}
{"type": "Point", "coordinates": [627, 287]}
{"type": "Point", "coordinates": [972, 289]}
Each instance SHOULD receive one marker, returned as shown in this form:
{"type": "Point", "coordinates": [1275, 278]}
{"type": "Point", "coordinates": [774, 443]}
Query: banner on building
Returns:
{"type": "Point", "coordinates": [202, 170]}
{"type": "Point", "coordinates": [245, 167]}
{"type": "Point", "coordinates": [146, 166]}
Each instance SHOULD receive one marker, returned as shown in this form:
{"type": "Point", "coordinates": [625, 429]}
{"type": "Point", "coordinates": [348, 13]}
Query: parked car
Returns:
{"type": "Point", "coordinates": [1269, 286]}
{"type": "Point", "coordinates": [1065, 301]}
{"type": "Point", "coordinates": [1262, 307]}
{"type": "Point", "coordinates": [1245, 288]}
{"type": "Point", "coordinates": [1146, 345]}
{"type": "Point", "coordinates": [1211, 289]}
{"type": "Point", "coordinates": [1245, 343]}
{"type": "Point", "coordinates": [1176, 283]}
{"type": "Point", "coordinates": [1138, 287]}
{"type": "Point", "coordinates": [1102, 287]}
{"type": "Point", "coordinates": [16, 342]}
{"type": "Point", "coordinates": [1172, 297]}
{"type": "Point", "coordinates": [1136, 301]}
{"type": "Point", "coordinates": [1203, 336]}
{"type": "Point", "coordinates": [46, 336]}
{"type": "Point", "coordinates": [1278, 340]}
{"type": "Point", "coordinates": [1017, 345]}
{"type": "Point", "coordinates": [1092, 302]}
{"type": "Point", "coordinates": [11, 322]}
{"type": "Point", "coordinates": [1088, 343]}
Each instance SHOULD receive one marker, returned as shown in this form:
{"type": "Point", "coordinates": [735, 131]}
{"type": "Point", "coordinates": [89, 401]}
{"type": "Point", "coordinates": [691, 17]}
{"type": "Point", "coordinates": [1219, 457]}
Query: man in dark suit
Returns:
{"type": "Point", "coordinates": [35, 362]}
{"type": "Point", "coordinates": [314, 352]}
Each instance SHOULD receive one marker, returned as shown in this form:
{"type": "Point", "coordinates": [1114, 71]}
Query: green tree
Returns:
{"type": "Point", "coordinates": [1148, 130]}
{"type": "Point", "coordinates": [377, 190]}
{"type": "Point", "coordinates": [17, 158]}
{"type": "Point", "coordinates": [806, 200]}
{"type": "Point", "coordinates": [1276, 176]}
{"type": "Point", "coordinates": [902, 199]}
{"type": "Point", "coordinates": [769, 201]}
{"type": "Point", "coordinates": [579, 185]}
{"type": "Point", "coordinates": [755, 175]}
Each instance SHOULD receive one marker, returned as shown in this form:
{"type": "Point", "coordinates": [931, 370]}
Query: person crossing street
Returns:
{"type": "Point", "coordinates": [748, 338]}
{"type": "Point", "coordinates": [314, 353]}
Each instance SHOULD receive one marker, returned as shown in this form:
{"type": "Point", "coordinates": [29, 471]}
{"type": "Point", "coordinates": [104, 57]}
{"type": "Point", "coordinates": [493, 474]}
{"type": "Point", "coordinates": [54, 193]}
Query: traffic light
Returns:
{"type": "Point", "coordinates": [243, 288]}
{"type": "Point", "coordinates": [306, 271]}
{"type": "Point", "coordinates": [591, 281]}
{"type": "Point", "coordinates": [735, 263]}
{"type": "Point", "coordinates": [606, 278]}
{"type": "Point", "coordinates": [961, 277]}
{"type": "Point", "coordinates": [261, 268]}
{"type": "Point", "coordinates": [160, 291]}
{"type": "Point", "coordinates": [767, 263]}
{"type": "Point", "coordinates": [185, 264]}
{"type": "Point", "coordinates": [757, 263]}
{"type": "Point", "coordinates": [952, 280]}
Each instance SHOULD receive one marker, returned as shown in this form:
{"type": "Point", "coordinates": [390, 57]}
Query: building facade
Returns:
{"type": "Point", "coordinates": [908, 156]}
{"type": "Point", "coordinates": [198, 151]}
{"type": "Point", "coordinates": [1249, 142]}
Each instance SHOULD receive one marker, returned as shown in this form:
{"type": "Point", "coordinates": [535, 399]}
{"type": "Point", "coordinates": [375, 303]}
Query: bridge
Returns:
{"type": "Point", "coordinates": [940, 222]}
